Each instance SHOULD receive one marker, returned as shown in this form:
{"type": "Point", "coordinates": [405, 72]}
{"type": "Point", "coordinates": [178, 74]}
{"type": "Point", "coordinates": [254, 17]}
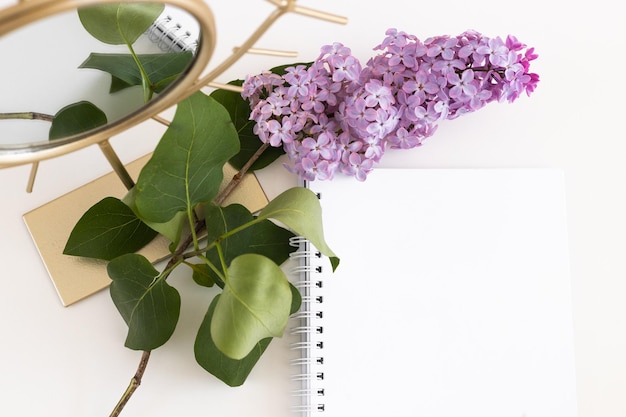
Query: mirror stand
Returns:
{"type": "Point", "coordinates": [51, 224]}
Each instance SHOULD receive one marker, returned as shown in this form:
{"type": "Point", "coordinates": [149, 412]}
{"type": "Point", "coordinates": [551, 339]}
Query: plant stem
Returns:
{"type": "Point", "coordinates": [176, 258]}
{"type": "Point", "coordinates": [238, 176]}
{"type": "Point", "coordinates": [234, 182]}
{"type": "Point", "coordinates": [27, 116]}
{"type": "Point", "coordinates": [148, 90]}
{"type": "Point", "coordinates": [134, 383]}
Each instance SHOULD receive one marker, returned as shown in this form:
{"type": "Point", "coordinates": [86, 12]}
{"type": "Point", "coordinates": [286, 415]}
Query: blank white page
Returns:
{"type": "Point", "coordinates": [452, 298]}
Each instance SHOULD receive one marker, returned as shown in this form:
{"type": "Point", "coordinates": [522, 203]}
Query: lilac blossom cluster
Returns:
{"type": "Point", "coordinates": [337, 115]}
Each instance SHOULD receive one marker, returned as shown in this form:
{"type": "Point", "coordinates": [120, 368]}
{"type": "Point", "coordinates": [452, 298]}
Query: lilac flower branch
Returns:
{"type": "Point", "coordinates": [338, 115]}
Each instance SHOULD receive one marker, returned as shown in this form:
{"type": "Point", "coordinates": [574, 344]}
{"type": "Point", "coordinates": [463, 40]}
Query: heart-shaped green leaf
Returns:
{"type": "Point", "coordinates": [254, 305]}
{"type": "Point", "coordinates": [76, 118]}
{"type": "Point", "coordinates": [186, 166]}
{"type": "Point", "coordinates": [172, 229]}
{"type": "Point", "coordinates": [296, 299]}
{"type": "Point", "coordinates": [119, 23]}
{"type": "Point", "coordinates": [271, 241]}
{"type": "Point", "coordinates": [220, 220]}
{"type": "Point", "coordinates": [299, 209]}
{"type": "Point", "coordinates": [150, 307]}
{"type": "Point", "coordinates": [233, 372]}
{"type": "Point", "coordinates": [201, 274]}
{"type": "Point", "coordinates": [264, 238]}
{"type": "Point", "coordinates": [161, 69]}
{"type": "Point", "coordinates": [107, 230]}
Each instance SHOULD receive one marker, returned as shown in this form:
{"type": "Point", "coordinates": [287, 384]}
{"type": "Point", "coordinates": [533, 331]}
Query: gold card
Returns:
{"type": "Point", "coordinates": [51, 224]}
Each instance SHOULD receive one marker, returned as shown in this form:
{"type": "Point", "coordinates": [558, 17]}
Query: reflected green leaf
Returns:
{"type": "Point", "coordinates": [161, 69]}
{"type": "Point", "coordinates": [76, 118]}
{"type": "Point", "coordinates": [119, 23]}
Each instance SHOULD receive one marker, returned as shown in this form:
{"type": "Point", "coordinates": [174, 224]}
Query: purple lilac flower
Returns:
{"type": "Point", "coordinates": [338, 115]}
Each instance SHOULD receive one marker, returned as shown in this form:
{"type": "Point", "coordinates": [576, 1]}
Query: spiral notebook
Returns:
{"type": "Point", "coordinates": [452, 298]}
{"type": "Point", "coordinates": [174, 31]}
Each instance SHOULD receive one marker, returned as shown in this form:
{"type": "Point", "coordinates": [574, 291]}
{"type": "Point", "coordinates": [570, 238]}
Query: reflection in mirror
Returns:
{"type": "Point", "coordinates": [75, 71]}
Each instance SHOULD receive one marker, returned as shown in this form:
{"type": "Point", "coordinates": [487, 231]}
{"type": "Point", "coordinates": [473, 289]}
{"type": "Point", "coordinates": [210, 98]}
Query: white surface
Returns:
{"type": "Point", "coordinates": [58, 361]}
{"type": "Point", "coordinates": [452, 297]}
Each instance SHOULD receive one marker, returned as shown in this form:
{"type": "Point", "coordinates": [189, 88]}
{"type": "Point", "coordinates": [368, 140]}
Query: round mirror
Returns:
{"type": "Point", "coordinates": [77, 72]}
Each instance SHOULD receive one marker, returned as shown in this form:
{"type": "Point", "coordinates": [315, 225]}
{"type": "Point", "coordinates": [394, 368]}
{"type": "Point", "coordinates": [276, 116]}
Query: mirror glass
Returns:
{"type": "Point", "coordinates": [72, 72]}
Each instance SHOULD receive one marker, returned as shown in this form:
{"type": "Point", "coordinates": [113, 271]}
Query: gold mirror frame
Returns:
{"type": "Point", "coordinates": [29, 11]}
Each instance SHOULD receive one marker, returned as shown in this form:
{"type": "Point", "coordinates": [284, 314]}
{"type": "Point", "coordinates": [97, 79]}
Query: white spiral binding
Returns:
{"type": "Point", "coordinates": [310, 328]}
{"type": "Point", "coordinates": [170, 36]}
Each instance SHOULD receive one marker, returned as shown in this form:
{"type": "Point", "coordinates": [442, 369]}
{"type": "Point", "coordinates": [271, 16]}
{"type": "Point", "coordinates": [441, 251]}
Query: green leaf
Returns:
{"type": "Point", "coordinates": [186, 166]}
{"type": "Point", "coordinates": [239, 110]}
{"type": "Point", "coordinates": [220, 220]}
{"type": "Point", "coordinates": [271, 241]}
{"type": "Point", "coordinates": [281, 69]}
{"type": "Point", "coordinates": [201, 275]}
{"type": "Point", "coordinates": [107, 230]}
{"type": "Point", "coordinates": [118, 85]}
{"type": "Point", "coordinates": [150, 307]}
{"type": "Point", "coordinates": [172, 229]}
{"type": "Point", "coordinates": [264, 238]}
{"type": "Point", "coordinates": [296, 299]}
{"type": "Point", "coordinates": [299, 209]}
{"type": "Point", "coordinates": [233, 372]}
{"type": "Point", "coordinates": [76, 118]}
{"type": "Point", "coordinates": [161, 69]}
{"type": "Point", "coordinates": [255, 304]}
{"type": "Point", "coordinates": [119, 23]}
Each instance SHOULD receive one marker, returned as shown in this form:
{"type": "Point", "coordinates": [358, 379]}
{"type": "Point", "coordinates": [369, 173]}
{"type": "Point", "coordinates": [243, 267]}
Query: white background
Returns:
{"type": "Point", "coordinates": [70, 361]}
